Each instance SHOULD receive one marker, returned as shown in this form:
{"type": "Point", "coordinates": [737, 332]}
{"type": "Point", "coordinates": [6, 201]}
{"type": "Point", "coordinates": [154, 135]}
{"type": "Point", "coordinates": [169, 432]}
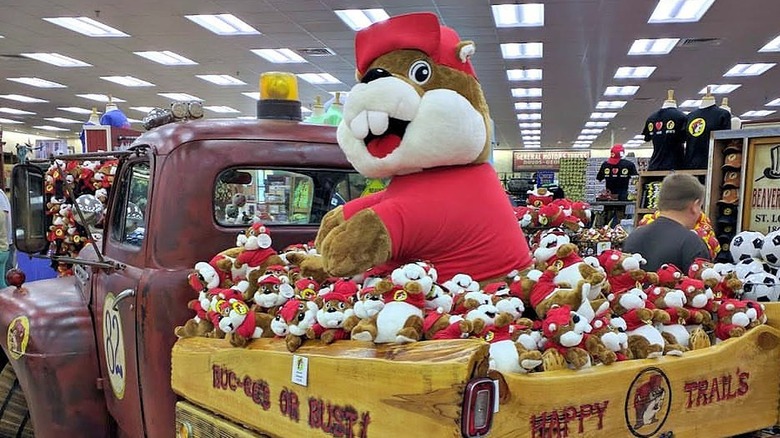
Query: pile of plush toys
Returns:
{"type": "Point", "coordinates": [71, 180]}
{"type": "Point", "coordinates": [542, 211]}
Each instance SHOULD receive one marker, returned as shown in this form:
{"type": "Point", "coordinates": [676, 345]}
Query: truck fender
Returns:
{"type": "Point", "coordinates": [50, 343]}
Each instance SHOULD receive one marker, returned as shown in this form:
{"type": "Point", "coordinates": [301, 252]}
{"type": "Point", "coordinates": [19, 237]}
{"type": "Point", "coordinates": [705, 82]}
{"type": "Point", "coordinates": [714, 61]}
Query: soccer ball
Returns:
{"type": "Point", "coordinates": [745, 245]}
{"type": "Point", "coordinates": [770, 250]}
{"type": "Point", "coordinates": [761, 287]}
{"type": "Point", "coordinates": [746, 267]}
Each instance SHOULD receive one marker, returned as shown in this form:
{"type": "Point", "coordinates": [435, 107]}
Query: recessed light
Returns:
{"type": "Point", "coordinates": [526, 92]}
{"type": "Point", "coordinates": [522, 106]}
{"type": "Point", "coordinates": [75, 110]}
{"type": "Point", "coordinates": [21, 98]}
{"type": "Point", "coordinates": [254, 95]}
{"type": "Point", "coordinates": [580, 145]}
{"type": "Point", "coordinates": [587, 137]}
{"type": "Point", "coordinates": [628, 90]}
{"type": "Point", "coordinates": [691, 103]}
{"type": "Point", "coordinates": [529, 74]}
{"type": "Point", "coordinates": [62, 120]}
{"type": "Point", "coordinates": [531, 132]}
{"type": "Point", "coordinates": [775, 102]}
{"type": "Point", "coordinates": [521, 50]}
{"type": "Point", "coordinates": [611, 104]}
{"type": "Point", "coordinates": [529, 116]}
{"type": "Point", "coordinates": [759, 113]}
{"type": "Point", "coordinates": [641, 72]}
{"type": "Point", "coordinates": [221, 79]}
{"type": "Point", "coordinates": [319, 78]}
{"type": "Point", "coordinates": [592, 131]}
{"type": "Point", "coordinates": [679, 11]}
{"type": "Point", "coordinates": [86, 26]}
{"type": "Point", "coordinates": [358, 19]}
{"type": "Point", "coordinates": [603, 115]}
{"type": "Point", "coordinates": [596, 124]}
{"type": "Point", "coordinates": [179, 97]}
{"type": "Point", "coordinates": [142, 109]}
{"type": "Point", "coordinates": [10, 121]}
{"type": "Point", "coordinates": [15, 111]}
{"type": "Point", "coordinates": [524, 15]}
{"type": "Point", "coordinates": [37, 82]}
{"type": "Point", "coordinates": [50, 128]}
{"type": "Point", "coordinates": [127, 81]}
{"type": "Point", "coordinates": [56, 59]}
{"type": "Point", "coordinates": [530, 125]}
{"type": "Point", "coordinates": [720, 89]}
{"type": "Point", "coordinates": [532, 145]}
{"type": "Point", "coordinates": [657, 46]}
{"type": "Point", "coordinates": [222, 109]}
{"type": "Point", "coordinates": [166, 57]}
{"type": "Point", "coordinates": [749, 69]}
{"type": "Point", "coordinates": [223, 24]}
{"type": "Point", "coordinates": [772, 46]}
{"type": "Point", "coordinates": [532, 138]}
{"type": "Point", "coordinates": [100, 98]}
{"type": "Point", "coordinates": [279, 56]}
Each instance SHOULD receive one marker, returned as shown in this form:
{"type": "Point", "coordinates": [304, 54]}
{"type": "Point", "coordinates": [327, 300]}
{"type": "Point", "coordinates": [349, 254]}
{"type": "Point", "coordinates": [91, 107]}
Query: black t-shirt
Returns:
{"type": "Point", "coordinates": [698, 127]}
{"type": "Point", "coordinates": [666, 241]}
{"type": "Point", "coordinates": [666, 128]}
{"type": "Point", "coordinates": [617, 176]}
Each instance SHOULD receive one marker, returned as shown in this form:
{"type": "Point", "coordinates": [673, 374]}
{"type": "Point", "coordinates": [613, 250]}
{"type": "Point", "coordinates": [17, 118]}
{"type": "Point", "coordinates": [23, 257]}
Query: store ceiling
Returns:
{"type": "Point", "coordinates": [585, 41]}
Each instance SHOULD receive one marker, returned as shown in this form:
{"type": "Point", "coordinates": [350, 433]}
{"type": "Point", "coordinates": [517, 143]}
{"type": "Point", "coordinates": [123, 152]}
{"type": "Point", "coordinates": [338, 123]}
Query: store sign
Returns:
{"type": "Point", "coordinates": [522, 160]}
{"type": "Point", "coordinates": [761, 210]}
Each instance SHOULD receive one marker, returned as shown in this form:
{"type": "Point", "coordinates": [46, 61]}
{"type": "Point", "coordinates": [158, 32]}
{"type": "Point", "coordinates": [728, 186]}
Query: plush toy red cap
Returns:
{"type": "Point", "coordinates": [689, 285]}
{"type": "Point", "coordinates": [290, 308]}
{"type": "Point", "coordinates": [609, 258]}
{"type": "Point", "coordinates": [669, 274]}
{"type": "Point", "coordinates": [307, 283]}
{"type": "Point", "coordinates": [555, 318]}
{"type": "Point", "coordinates": [499, 289]}
{"type": "Point", "coordinates": [418, 31]}
{"type": "Point", "coordinates": [728, 306]}
{"type": "Point", "coordinates": [269, 279]}
{"type": "Point", "coordinates": [345, 288]}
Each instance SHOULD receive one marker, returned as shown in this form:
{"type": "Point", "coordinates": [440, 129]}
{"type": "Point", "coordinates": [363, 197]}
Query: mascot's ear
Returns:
{"type": "Point", "coordinates": [465, 49]}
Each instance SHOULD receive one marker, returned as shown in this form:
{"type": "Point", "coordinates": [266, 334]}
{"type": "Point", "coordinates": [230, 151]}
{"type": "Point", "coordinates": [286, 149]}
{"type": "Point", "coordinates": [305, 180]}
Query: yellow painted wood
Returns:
{"type": "Point", "coordinates": [747, 404]}
{"type": "Point", "coordinates": [398, 390]}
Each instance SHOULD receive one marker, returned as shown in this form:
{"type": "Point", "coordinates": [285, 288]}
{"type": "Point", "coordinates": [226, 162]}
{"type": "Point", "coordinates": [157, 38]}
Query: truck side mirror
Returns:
{"type": "Point", "coordinates": [28, 208]}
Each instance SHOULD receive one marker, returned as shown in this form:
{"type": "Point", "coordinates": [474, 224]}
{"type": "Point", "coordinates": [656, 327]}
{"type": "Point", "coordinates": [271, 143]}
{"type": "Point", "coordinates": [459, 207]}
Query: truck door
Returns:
{"type": "Point", "coordinates": [116, 292]}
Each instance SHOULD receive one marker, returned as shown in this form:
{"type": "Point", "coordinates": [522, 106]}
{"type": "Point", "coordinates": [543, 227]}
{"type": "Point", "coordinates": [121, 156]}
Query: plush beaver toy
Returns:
{"type": "Point", "coordinates": [418, 116]}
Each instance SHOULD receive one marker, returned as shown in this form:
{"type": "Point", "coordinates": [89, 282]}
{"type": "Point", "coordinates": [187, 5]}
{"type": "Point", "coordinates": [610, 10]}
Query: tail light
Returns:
{"type": "Point", "coordinates": [479, 400]}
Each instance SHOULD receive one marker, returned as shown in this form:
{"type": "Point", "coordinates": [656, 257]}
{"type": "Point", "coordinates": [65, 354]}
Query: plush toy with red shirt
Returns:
{"type": "Point", "coordinates": [418, 116]}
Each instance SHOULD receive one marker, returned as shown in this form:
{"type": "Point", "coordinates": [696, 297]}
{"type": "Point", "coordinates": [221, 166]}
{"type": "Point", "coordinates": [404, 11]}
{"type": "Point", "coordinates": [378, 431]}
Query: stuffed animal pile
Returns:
{"type": "Point", "coordinates": [542, 211]}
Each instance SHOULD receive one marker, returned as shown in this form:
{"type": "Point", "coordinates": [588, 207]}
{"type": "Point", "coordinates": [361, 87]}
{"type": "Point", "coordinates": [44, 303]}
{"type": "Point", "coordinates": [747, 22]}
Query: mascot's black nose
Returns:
{"type": "Point", "coordinates": [374, 74]}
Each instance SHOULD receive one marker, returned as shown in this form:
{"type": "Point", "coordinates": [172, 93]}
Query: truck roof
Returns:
{"type": "Point", "coordinates": [166, 138]}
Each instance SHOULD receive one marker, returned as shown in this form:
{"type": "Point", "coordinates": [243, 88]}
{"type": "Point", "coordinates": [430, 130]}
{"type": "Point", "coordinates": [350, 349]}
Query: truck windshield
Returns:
{"type": "Point", "coordinates": [279, 196]}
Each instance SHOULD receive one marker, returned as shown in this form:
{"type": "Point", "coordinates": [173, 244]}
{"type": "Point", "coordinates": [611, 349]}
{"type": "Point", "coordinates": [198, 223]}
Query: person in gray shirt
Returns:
{"type": "Point", "coordinates": [670, 238]}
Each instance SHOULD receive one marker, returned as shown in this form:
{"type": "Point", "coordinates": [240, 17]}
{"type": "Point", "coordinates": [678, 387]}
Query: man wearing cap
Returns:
{"type": "Point", "coordinates": [617, 172]}
{"type": "Point", "coordinates": [670, 238]}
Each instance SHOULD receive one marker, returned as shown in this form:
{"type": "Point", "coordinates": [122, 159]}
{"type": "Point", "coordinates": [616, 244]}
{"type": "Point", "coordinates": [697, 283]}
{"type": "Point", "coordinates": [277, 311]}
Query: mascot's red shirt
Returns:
{"type": "Point", "coordinates": [458, 218]}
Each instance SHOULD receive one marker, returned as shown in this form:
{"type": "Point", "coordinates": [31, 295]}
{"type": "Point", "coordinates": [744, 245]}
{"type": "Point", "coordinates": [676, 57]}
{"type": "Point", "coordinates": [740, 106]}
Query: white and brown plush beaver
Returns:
{"type": "Point", "coordinates": [419, 116]}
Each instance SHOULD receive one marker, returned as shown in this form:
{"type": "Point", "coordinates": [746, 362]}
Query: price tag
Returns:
{"type": "Point", "coordinates": [300, 370]}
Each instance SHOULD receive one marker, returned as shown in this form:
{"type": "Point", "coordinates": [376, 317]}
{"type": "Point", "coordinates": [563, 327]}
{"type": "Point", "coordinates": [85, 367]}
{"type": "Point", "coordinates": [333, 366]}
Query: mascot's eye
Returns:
{"type": "Point", "coordinates": [420, 72]}
{"type": "Point", "coordinates": [301, 316]}
{"type": "Point", "coordinates": [341, 306]}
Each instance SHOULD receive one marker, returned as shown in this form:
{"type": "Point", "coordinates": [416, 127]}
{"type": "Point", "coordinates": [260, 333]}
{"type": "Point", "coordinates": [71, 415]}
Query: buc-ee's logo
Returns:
{"type": "Point", "coordinates": [696, 128]}
{"type": "Point", "coordinates": [648, 402]}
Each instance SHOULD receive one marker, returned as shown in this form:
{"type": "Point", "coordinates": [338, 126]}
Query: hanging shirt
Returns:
{"type": "Point", "coordinates": [666, 129]}
{"type": "Point", "coordinates": [616, 176]}
{"type": "Point", "coordinates": [698, 127]}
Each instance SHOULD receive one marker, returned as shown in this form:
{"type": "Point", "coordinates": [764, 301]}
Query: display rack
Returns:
{"type": "Point", "coordinates": [649, 178]}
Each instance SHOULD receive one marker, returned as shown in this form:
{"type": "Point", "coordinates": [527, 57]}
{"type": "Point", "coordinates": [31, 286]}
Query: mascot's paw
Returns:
{"type": "Point", "coordinates": [699, 339]}
{"type": "Point", "coordinates": [530, 360]}
{"type": "Point", "coordinates": [238, 341]}
{"type": "Point", "coordinates": [356, 245]}
{"type": "Point", "coordinates": [552, 360]}
{"type": "Point", "coordinates": [332, 219]}
{"type": "Point", "coordinates": [362, 336]}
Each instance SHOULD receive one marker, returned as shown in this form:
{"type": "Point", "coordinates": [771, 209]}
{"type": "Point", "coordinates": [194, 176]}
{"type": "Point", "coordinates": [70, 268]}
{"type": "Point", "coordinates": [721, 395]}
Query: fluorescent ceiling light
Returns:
{"type": "Point", "coordinates": [75, 110]}
{"type": "Point", "coordinates": [691, 104]}
{"type": "Point", "coordinates": [179, 97]}
{"type": "Point", "coordinates": [223, 24]}
{"type": "Point", "coordinates": [222, 109]}
{"type": "Point", "coordinates": [526, 92]}
{"type": "Point", "coordinates": [9, 121]}
{"type": "Point", "coordinates": [358, 19]}
{"type": "Point", "coordinates": [772, 46]}
{"type": "Point", "coordinates": [529, 116]}
{"type": "Point", "coordinates": [759, 113]}
{"type": "Point", "coordinates": [279, 56]}
{"type": "Point", "coordinates": [611, 104]}
{"type": "Point", "coordinates": [641, 72]}
{"type": "Point", "coordinates": [628, 90]}
{"type": "Point", "coordinates": [521, 106]}
{"type": "Point", "coordinates": [749, 69]}
{"type": "Point", "coordinates": [720, 89]}
{"type": "Point", "coordinates": [221, 79]}
{"type": "Point", "coordinates": [142, 109]}
{"type": "Point", "coordinates": [166, 57]}
{"type": "Point", "coordinates": [587, 137]}
{"type": "Point", "coordinates": [775, 102]}
{"type": "Point", "coordinates": [37, 82]}
{"type": "Point", "coordinates": [596, 124]}
{"type": "Point", "coordinates": [658, 46]}
{"type": "Point", "coordinates": [319, 78]}
{"type": "Point", "coordinates": [679, 11]}
{"type": "Point", "coordinates": [529, 74]}
{"type": "Point", "coordinates": [254, 95]}
{"type": "Point", "coordinates": [50, 128]}
{"type": "Point", "coordinates": [531, 132]}
{"type": "Point", "coordinates": [530, 125]}
{"type": "Point", "coordinates": [127, 81]}
{"type": "Point", "coordinates": [603, 115]}
{"type": "Point", "coordinates": [524, 15]}
{"type": "Point", "coordinates": [15, 111]}
{"type": "Point", "coordinates": [521, 50]}
{"type": "Point", "coordinates": [21, 98]}
{"type": "Point", "coordinates": [100, 98]}
{"type": "Point", "coordinates": [531, 138]}
{"type": "Point", "coordinates": [592, 131]}
{"type": "Point", "coordinates": [581, 145]}
{"type": "Point", "coordinates": [56, 59]}
{"type": "Point", "coordinates": [86, 26]}
{"type": "Point", "coordinates": [62, 120]}
{"type": "Point", "coordinates": [532, 145]}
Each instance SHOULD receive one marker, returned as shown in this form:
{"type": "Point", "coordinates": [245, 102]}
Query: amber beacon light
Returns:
{"type": "Point", "coordinates": [278, 97]}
